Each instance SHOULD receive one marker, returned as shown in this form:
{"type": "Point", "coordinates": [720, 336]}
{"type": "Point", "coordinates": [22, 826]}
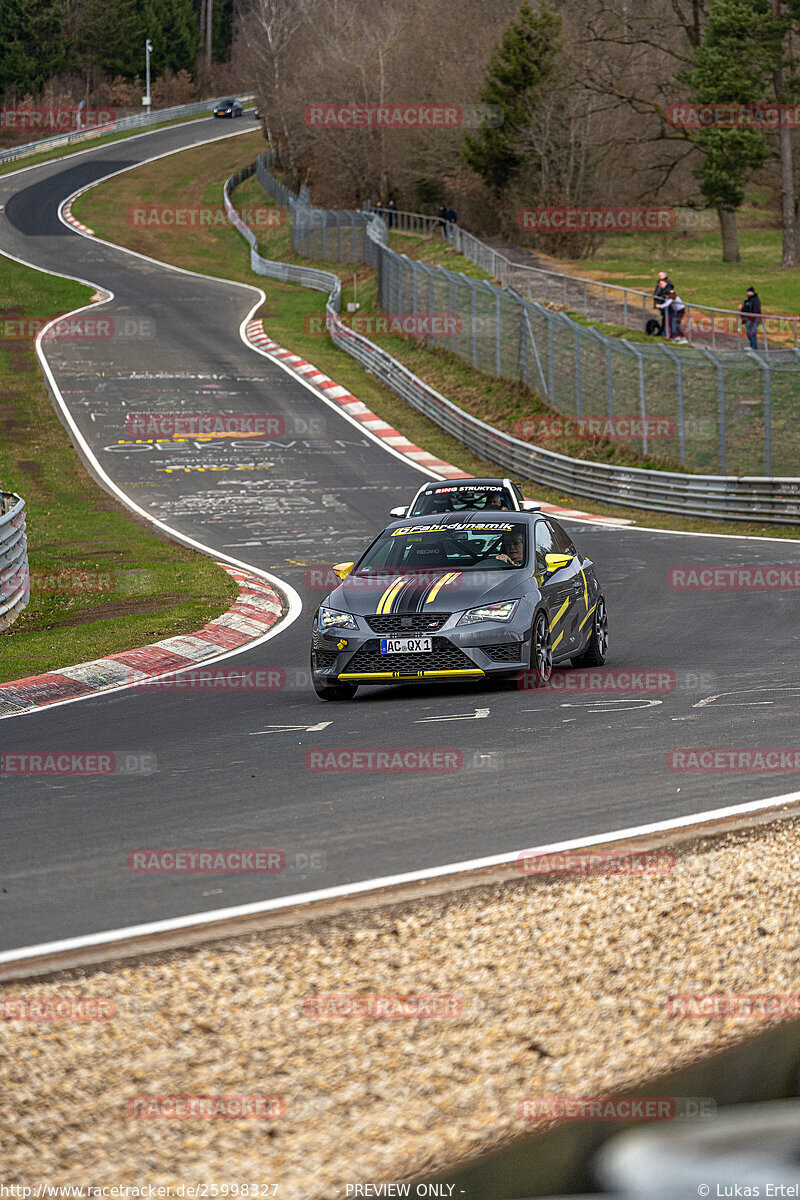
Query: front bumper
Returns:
{"type": "Point", "coordinates": [468, 652]}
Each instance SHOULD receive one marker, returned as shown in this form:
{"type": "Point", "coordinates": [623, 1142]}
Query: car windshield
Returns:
{"type": "Point", "coordinates": [492, 546]}
{"type": "Point", "coordinates": [454, 497]}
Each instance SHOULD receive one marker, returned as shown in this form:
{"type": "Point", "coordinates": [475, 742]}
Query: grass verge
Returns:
{"type": "Point", "coordinates": [101, 582]}
{"type": "Point", "coordinates": [292, 317]}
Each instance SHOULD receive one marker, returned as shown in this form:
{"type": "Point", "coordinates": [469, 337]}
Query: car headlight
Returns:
{"type": "Point", "coordinates": [490, 612]}
{"type": "Point", "coordinates": [332, 618]}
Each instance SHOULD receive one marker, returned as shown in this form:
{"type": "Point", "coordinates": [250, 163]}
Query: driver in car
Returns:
{"type": "Point", "coordinates": [496, 501]}
{"type": "Point", "coordinates": [513, 549]}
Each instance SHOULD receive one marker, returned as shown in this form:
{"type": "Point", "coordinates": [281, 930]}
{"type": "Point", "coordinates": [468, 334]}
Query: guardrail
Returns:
{"type": "Point", "coordinates": [736, 498]}
{"type": "Point", "coordinates": [713, 413]}
{"type": "Point", "coordinates": [133, 122]}
{"type": "Point", "coordinates": [14, 573]}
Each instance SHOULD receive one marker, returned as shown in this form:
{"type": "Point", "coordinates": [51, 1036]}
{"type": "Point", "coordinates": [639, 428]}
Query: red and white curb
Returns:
{"type": "Point", "coordinates": [356, 409]}
{"type": "Point", "coordinates": [67, 212]}
{"type": "Point", "coordinates": [256, 610]}
{"type": "Point", "coordinates": [350, 404]}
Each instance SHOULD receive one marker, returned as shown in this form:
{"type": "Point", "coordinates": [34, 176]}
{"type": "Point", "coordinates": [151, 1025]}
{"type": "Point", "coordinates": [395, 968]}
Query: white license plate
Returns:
{"type": "Point", "coordinates": [406, 645]}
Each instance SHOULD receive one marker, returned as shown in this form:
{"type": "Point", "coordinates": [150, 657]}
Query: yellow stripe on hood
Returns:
{"type": "Point", "coordinates": [450, 577]}
{"type": "Point", "coordinates": [385, 602]}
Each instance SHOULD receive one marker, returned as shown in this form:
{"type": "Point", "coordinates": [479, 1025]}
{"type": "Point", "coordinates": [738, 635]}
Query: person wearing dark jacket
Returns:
{"type": "Point", "coordinates": [451, 216]}
{"type": "Point", "coordinates": [391, 213]}
{"type": "Point", "coordinates": [662, 287]}
{"type": "Point", "coordinates": [751, 304]}
{"type": "Point", "coordinates": [441, 216]}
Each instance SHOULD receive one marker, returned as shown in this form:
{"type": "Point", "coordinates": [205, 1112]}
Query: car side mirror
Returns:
{"type": "Point", "coordinates": [554, 562]}
{"type": "Point", "coordinates": [398, 512]}
{"type": "Point", "coordinates": [343, 569]}
{"type": "Point", "coordinates": [531, 506]}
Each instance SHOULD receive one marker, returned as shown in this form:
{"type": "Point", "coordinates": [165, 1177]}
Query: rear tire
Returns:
{"type": "Point", "coordinates": [597, 647]}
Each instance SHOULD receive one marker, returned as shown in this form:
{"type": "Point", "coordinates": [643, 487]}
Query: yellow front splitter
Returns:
{"type": "Point", "coordinates": [352, 676]}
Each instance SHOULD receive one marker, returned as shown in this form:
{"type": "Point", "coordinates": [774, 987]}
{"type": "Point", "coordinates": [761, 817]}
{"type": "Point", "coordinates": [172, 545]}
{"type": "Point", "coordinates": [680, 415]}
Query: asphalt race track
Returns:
{"type": "Point", "coordinates": [230, 766]}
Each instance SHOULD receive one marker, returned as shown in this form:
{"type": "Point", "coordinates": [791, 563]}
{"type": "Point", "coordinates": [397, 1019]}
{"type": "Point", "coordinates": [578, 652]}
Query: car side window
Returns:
{"type": "Point", "coordinates": [562, 542]}
{"type": "Point", "coordinates": [517, 493]}
{"type": "Point", "coordinates": [544, 544]}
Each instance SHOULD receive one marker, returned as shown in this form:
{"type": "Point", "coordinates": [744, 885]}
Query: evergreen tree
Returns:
{"type": "Point", "coordinates": [113, 36]}
{"type": "Point", "coordinates": [172, 27]}
{"type": "Point", "coordinates": [33, 40]}
{"type": "Point", "coordinates": [515, 77]}
{"type": "Point", "coordinates": [731, 66]}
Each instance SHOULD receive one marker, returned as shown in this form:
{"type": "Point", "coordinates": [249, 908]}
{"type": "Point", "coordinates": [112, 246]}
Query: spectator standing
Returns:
{"type": "Point", "coordinates": [442, 218]}
{"type": "Point", "coordinates": [391, 212]}
{"type": "Point", "coordinates": [452, 217]}
{"type": "Point", "coordinates": [673, 309]}
{"type": "Point", "coordinates": [379, 209]}
{"type": "Point", "coordinates": [662, 285]}
{"type": "Point", "coordinates": [751, 305]}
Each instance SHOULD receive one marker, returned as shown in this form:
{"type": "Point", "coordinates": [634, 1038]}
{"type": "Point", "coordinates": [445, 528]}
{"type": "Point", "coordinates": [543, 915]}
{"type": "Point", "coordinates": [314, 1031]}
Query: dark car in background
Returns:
{"type": "Point", "coordinates": [229, 108]}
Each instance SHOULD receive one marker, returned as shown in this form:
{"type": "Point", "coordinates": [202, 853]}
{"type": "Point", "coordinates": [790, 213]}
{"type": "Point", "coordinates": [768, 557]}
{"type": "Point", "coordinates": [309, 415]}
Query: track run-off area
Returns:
{"type": "Point", "coordinates": [229, 768]}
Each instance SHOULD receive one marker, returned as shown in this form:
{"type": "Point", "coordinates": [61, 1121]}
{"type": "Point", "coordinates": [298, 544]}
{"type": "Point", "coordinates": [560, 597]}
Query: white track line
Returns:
{"type": "Point", "coordinates": [294, 602]}
{"type": "Point", "coordinates": [353, 889]}
{"type": "Point", "coordinates": [214, 916]}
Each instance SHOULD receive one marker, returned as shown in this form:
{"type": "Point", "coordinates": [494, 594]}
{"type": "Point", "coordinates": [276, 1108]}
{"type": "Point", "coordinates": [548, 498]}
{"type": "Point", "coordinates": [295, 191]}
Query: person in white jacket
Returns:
{"type": "Point", "coordinates": [673, 308]}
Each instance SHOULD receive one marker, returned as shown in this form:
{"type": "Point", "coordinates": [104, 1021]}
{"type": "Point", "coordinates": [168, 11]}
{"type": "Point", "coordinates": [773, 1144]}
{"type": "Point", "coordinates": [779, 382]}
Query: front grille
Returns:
{"type": "Point", "coordinates": [407, 622]}
{"type": "Point", "coordinates": [508, 652]}
{"type": "Point", "coordinates": [444, 657]}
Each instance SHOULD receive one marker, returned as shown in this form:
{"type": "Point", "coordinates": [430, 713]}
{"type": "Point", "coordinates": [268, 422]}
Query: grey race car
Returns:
{"type": "Point", "coordinates": [461, 595]}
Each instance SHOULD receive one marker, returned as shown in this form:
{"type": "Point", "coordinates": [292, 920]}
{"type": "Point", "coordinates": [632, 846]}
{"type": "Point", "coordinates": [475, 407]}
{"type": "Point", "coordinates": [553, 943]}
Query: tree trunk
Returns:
{"type": "Point", "coordinates": [730, 238]}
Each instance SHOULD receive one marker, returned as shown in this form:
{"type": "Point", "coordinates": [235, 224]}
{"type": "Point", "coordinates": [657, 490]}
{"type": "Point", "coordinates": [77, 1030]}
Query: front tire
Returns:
{"type": "Point", "coordinates": [597, 647]}
{"type": "Point", "coordinates": [332, 691]}
{"type": "Point", "coordinates": [335, 691]}
{"type": "Point", "coordinates": [541, 650]}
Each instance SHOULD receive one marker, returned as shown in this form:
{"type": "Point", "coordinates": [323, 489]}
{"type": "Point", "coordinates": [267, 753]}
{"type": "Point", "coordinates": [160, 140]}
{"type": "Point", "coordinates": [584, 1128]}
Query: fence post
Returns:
{"type": "Point", "coordinates": [609, 384]}
{"type": "Point", "coordinates": [605, 343]}
{"type": "Point", "coordinates": [578, 379]}
{"type": "Point", "coordinates": [474, 293]}
{"type": "Point", "coordinates": [642, 396]}
{"type": "Point", "coordinates": [764, 364]}
{"type": "Point", "coordinates": [526, 314]}
{"type": "Point", "coordinates": [522, 348]}
{"type": "Point", "coordinates": [675, 358]}
{"type": "Point", "coordinates": [498, 361]}
{"type": "Point", "coordinates": [720, 408]}
{"type": "Point", "coordinates": [452, 281]}
{"type": "Point", "coordinates": [551, 365]}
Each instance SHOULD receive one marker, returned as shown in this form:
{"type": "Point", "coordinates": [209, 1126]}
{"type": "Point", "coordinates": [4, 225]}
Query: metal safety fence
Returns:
{"type": "Point", "coordinates": [197, 108]}
{"type": "Point", "coordinates": [14, 574]}
{"type": "Point", "coordinates": [508, 335]}
{"type": "Point", "coordinates": [721, 328]}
